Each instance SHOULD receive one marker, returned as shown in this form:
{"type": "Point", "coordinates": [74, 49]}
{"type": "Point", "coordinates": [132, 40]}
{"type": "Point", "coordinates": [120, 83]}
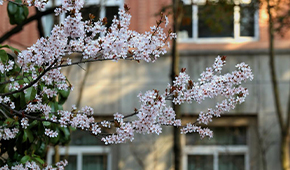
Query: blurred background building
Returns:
{"type": "Point", "coordinates": [247, 138]}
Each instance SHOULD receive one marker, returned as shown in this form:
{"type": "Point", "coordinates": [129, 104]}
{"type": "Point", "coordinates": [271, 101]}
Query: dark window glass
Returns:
{"type": "Point", "coordinates": [92, 9]}
{"type": "Point", "coordinates": [110, 12]}
{"type": "Point", "coordinates": [72, 161]}
{"type": "Point", "coordinates": [222, 136]}
{"type": "Point", "coordinates": [84, 138]}
{"type": "Point", "coordinates": [247, 20]}
{"type": "Point", "coordinates": [232, 162]}
{"type": "Point", "coordinates": [95, 10]}
{"type": "Point", "coordinates": [200, 162]}
{"type": "Point", "coordinates": [215, 20]}
{"type": "Point", "coordinates": [186, 23]}
{"type": "Point", "coordinates": [94, 162]}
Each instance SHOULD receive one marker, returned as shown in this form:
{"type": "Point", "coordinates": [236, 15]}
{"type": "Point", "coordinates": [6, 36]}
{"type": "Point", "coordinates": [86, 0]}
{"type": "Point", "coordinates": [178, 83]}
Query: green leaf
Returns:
{"type": "Point", "coordinates": [66, 135]}
{"type": "Point", "coordinates": [6, 89]}
{"type": "Point", "coordinates": [28, 134]}
{"type": "Point", "coordinates": [25, 158]}
{"type": "Point", "coordinates": [41, 149]}
{"type": "Point", "coordinates": [54, 106]}
{"type": "Point", "coordinates": [46, 123]}
{"type": "Point", "coordinates": [12, 19]}
{"type": "Point", "coordinates": [30, 94]}
{"type": "Point", "coordinates": [9, 121]}
{"type": "Point", "coordinates": [22, 99]}
{"type": "Point", "coordinates": [39, 160]}
{"type": "Point", "coordinates": [15, 50]}
{"type": "Point", "coordinates": [64, 93]}
{"type": "Point", "coordinates": [18, 16]}
{"type": "Point", "coordinates": [32, 124]}
{"type": "Point", "coordinates": [60, 107]}
{"type": "Point", "coordinates": [24, 137]}
{"type": "Point", "coordinates": [2, 87]}
{"type": "Point", "coordinates": [25, 12]}
{"type": "Point", "coordinates": [11, 8]}
{"type": "Point", "coordinates": [16, 95]}
{"type": "Point", "coordinates": [61, 100]}
{"type": "Point", "coordinates": [3, 56]}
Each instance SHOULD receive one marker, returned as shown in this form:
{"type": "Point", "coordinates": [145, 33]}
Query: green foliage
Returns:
{"type": "Point", "coordinates": [17, 13]}
{"type": "Point", "coordinates": [30, 144]}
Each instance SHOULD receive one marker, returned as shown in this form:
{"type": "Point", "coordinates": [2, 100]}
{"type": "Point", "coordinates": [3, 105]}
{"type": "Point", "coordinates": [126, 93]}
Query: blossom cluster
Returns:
{"type": "Point", "coordinates": [7, 133]}
{"type": "Point", "coordinates": [153, 111]}
{"type": "Point", "coordinates": [118, 42]}
{"type": "Point", "coordinates": [90, 38]}
{"type": "Point", "coordinates": [6, 67]}
{"type": "Point", "coordinates": [32, 165]}
{"type": "Point", "coordinates": [43, 62]}
{"type": "Point", "coordinates": [50, 133]}
{"type": "Point", "coordinates": [7, 100]}
{"type": "Point", "coordinates": [75, 35]}
{"type": "Point", "coordinates": [211, 84]}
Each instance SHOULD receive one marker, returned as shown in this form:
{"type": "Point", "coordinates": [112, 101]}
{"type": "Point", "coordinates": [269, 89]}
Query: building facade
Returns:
{"type": "Point", "coordinates": [247, 138]}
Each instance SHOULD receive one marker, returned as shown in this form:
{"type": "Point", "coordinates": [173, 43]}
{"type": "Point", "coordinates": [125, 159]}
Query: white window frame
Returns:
{"type": "Point", "coordinates": [47, 21]}
{"type": "Point", "coordinates": [79, 151]}
{"type": "Point", "coordinates": [216, 151]}
{"type": "Point", "coordinates": [236, 39]}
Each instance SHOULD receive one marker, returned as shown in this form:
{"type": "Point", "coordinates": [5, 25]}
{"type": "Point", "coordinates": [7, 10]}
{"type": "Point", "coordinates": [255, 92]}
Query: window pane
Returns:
{"type": "Point", "coordinates": [110, 12]}
{"type": "Point", "coordinates": [92, 9]}
{"type": "Point", "coordinates": [231, 162]}
{"type": "Point", "coordinates": [215, 20]}
{"type": "Point", "coordinates": [94, 162]}
{"type": "Point", "coordinates": [72, 161]}
{"type": "Point", "coordinates": [80, 137]}
{"type": "Point", "coordinates": [222, 136]}
{"type": "Point", "coordinates": [186, 24]}
{"type": "Point", "coordinates": [247, 20]}
{"type": "Point", "coordinates": [200, 162]}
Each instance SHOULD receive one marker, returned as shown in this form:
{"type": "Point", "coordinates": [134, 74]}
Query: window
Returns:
{"type": "Point", "coordinates": [228, 150]}
{"type": "Point", "coordinates": [86, 152]}
{"type": "Point", "coordinates": [218, 21]}
{"type": "Point", "coordinates": [99, 8]}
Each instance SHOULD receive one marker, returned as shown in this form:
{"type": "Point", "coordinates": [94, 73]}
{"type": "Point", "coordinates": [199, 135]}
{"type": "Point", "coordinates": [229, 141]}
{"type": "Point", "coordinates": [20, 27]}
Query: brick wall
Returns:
{"type": "Point", "coordinates": [23, 39]}
{"type": "Point", "coordinates": [143, 16]}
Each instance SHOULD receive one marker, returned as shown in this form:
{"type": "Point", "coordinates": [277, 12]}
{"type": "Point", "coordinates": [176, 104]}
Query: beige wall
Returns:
{"type": "Point", "coordinates": [113, 86]}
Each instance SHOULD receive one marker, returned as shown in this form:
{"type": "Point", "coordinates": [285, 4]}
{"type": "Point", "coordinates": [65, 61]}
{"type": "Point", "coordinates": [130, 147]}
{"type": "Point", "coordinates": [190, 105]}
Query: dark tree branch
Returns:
{"type": "Point", "coordinates": [273, 74]}
{"type": "Point", "coordinates": [288, 114]}
{"type": "Point", "coordinates": [39, 24]}
{"type": "Point", "coordinates": [31, 83]}
{"type": "Point", "coordinates": [19, 27]}
{"type": "Point", "coordinates": [83, 85]}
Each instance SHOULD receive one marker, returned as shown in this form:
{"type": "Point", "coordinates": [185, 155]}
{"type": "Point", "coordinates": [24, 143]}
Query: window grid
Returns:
{"type": "Point", "coordinates": [237, 37]}
{"type": "Point", "coordinates": [236, 144]}
{"type": "Point", "coordinates": [47, 21]}
{"type": "Point", "coordinates": [80, 151]}
{"type": "Point", "coordinates": [216, 151]}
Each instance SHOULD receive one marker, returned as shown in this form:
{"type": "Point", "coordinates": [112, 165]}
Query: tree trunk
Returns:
{"type": "Point", "coordinates": [285, 148]}
{"type": "Point", "coordinates": [284, 128]}
{"type": "Point", "coordinates": [174, 71]}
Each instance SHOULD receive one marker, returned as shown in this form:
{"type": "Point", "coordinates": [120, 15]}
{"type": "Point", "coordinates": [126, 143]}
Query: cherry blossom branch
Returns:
{"type": "Point", "coordinates": [31, 83]}
{"type": "Point", "coordinates": [19, 27]}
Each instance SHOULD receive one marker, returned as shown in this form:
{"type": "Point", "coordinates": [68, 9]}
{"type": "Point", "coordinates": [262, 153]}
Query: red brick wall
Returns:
{"type": "Point", "coordinates": [143, 16]}
{"type": "Point", "coordinates": [23, 39]}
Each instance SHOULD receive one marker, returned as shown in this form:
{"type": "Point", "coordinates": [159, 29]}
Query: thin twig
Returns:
{"type": "Point", "coordinates": [31, 83]}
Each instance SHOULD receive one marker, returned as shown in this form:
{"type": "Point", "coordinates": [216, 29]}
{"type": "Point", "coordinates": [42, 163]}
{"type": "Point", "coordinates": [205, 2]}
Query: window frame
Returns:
{"type": "Point", "coordinates": [79, 151]}
{"type": "Point", "coordinates": [215, 151]}
{"type": "Point", "coordinates": [236, 39]}
{"type": "Point", "coordinates": [47, 21]}
{"type": "Point", "coordinates": [248, 149]}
